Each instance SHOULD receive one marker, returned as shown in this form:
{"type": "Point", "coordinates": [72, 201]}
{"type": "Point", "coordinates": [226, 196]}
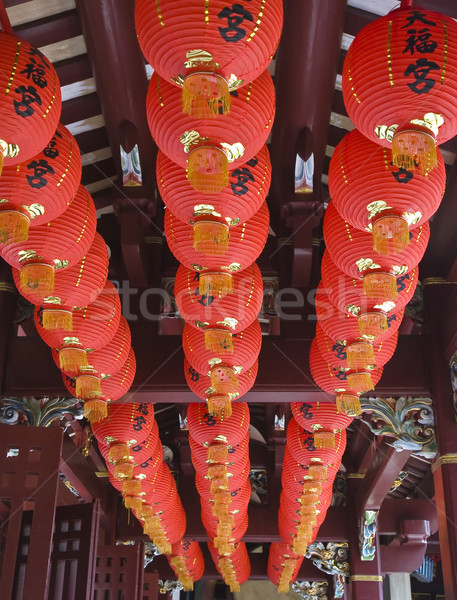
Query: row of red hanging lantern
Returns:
{"type": "Point", "coordinates": [210, 112]}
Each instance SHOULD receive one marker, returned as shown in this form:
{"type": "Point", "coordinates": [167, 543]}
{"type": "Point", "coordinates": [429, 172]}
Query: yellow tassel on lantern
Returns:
{"type": "Point", "coordinates": [207, 169]}
{"type": "Point", "coordinates": [211, 237]}
{"type": "Point", "coordinates": [218, 484]}
{"type": "Point", "coordinates": [224, 529]}
{"type": "Point", "coordinates": [283, 588]}
{"type": "Point", "coordinates": [360, 381]}
{"type": "Point", "coordinates": [72, 360]}
{"type": "Point", "coordinates": [308, 515]}
{"type": "Point", "coordinates": [390, 234]}
{"type": "Point", "coordinates": [349, 404]}
{"type": "Point", "coordinates": [380, 286]}
{"type": "Point", "coordinates": [134, 503]}
{"type": "Point", "coordinates": [118, 453]}
{"type": "Point", "coordinates": [224, 546]}
{"type": "Point", "coordinates": [205, 95]}
{"type": "Point", "coordinates": [360, 355]}
{"type": "Point", "coordinates": [217, 285]}
{"type": "Point", "coordinates": [218, 340]}
{"type": "Point", "coordinates": [309, 500]}
{"type": "Point", "coordinates": [147, 512]}
{"type": "Point", "coordinates": [324, 439]}
{"type": "Point", "coordinates": [219, 405]}
{"type": "Point", "coordinates": [95, 410]}
{"type": "Point", "coordinates": [88, 385]}
{"type": "Point", "coordinates": [57, 318]}
{"type": "Point", "coordinates": [372, 324]}
{"type": "Point", "coordinates": [414, 146]}
{"type": "Point", "coordinates": [224, 380]}
{"type": "Point", "coordinates": [123, 471]}
{"type": "Point", "coordinates": [300, 546]}
{"type": "Point", "coordinates": [235, 588]}
{"type": "Point", "coordinates": [14, 225]}
{"type": "Point", "coordinates": [162, 544]}
{"type": "Point", "coordinates": [37, 278]}
{"type": "Point", "coordinates": [215, 471]}
{"type": "Point", "coordinates": [131, 487]}
{"type": "Point", "coordinates": [317, 472]}
{"type": "Point", "coordinates": [312, 487]}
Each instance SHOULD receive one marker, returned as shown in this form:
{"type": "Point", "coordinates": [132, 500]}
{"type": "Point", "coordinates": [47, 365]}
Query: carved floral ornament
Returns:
{"type": "Point", "coordinates": [311, 590]}
{"type": "Point", "coordinates": [39, 412]}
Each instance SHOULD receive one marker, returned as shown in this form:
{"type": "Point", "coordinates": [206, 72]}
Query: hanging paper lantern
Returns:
{"type": "Point", "coordinates": [243, 196]}
{"type": "Point", "coordinates": [314, 416]}
{"type": "Point", "coordinates": [399, 86]}
{"type": "Point", "coordinates": [208, 148]}
{"type": "Point", "coordinates": [31, 102]}
{"type": "Point", "coordinates": [93, 327]}
{"type": "Point", "coordinates": [283, 565]}
{"type": "Point", "coordinates": [233, 312]}
{"type": "Point", "coordinates": [346, 293]}
{"type": "Point", "coordinates": [352, 251]}
{"type": "Point", "coordinates": [355, 353]}
{"type": "Point", "coordinates": [229, 456]}
{"type": "Point", "coordinates": [39, 190]}
{"type": "Point", "coordinates": [232, 562]}
{"type": "Point", "coordinates": [302, 444]}
{"type": "Point", "coordinates": [75, 286]}
{"type": "Point", "coordinates": [374, 323]}
{"type": "Point", "coordinates": [371, 193]}
{"type": "Point", "coordinates": [245, 245]}
{"type": "Point", "coordinates": [187, 561]}
{"type": "Point", "coordinates": [57, 245]}
{"type": "Point", "coordinates": [206, 429]}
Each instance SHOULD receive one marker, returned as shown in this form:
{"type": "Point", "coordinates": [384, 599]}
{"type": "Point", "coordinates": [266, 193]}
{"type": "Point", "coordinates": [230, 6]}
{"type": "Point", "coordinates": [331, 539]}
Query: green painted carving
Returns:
{"type": "Point", "coordinates": [311, 590]}
{"type": "Point", "coordinates": [331, 558]}
{"type": "Point", "coordinates": [409, 420]}
{"type": "Point", "coordinates": [367, 535]}
{"type": "Point", "coordinates": [39, 412]}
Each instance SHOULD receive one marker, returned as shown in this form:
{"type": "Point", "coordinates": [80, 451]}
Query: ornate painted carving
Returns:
{"type": "Point", "coordinates": [311, 590]}
{"type": "Point", "coordinates": [400, 479]}
{"type": "Point", "coordinates": [409, 420]}
{"type": "Point", "coordinates": [39, 412]}
{"type": "Point", "coordinates": [167, 585]}
{"type": "Point", "coordinates": [150, 552]}
{"type": "Point", "coordinates": [339, 489]}
{"type": "Point", "coordinates": [259, 483]}
{"type": "Point", "coordinates": [367, 534]}
{"type": "Point", "coordinates": [333, 559]}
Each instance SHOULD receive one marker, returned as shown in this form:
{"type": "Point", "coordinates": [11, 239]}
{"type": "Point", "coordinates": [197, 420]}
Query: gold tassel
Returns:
{"type": "Point", "coordinates": [235, 588]}
{"type": "Point", "coordinates": [360, 381]}
{"type": "Point", "coordinates": [118, 453]}
{"type": "Point", "coordinates": [131, 487]}
{"type": "Point", "coordinates": [72, 360]}
{"type": "Point", "coordinates": [211, 237]}
{"type": "Point", "coordinates": [224, 529]}
{"type": "Point", "coordinates": [317, 472]}
{"type": "Point", "coordinates": [324, 439]}
{"type": "Point", "coordinates": [133, 503]}
{"type": "Point", "coordinates": [299, 546]}
{"type": "Point", "coordinates": [308, 515]}
{"type": "Point", "coordinates": [205, 95]}
{"type": "Point", "coordinates": [219, 405]}
{"type": "Point", "coordinates": [162, 544]}
{"type": "Point", "coordinates": [349, 404]}
{"type": "Point", "coordinates": [224, 380]}
{"type": "Point", "coordinates": [218, 340]}
{"type": "Point", "coordinates": [360, 355]}
{"type": "Point", "coordinates": [309, 500]}
{"type": "Point", "coordinates": [37, 278]}
{"type": "Point", "coordinates": [123, 471]}
{"type": "Point", "coordinates": [57, 318]}
{"type": "Point", "coordinates": [380, 286]}
{"type": "Point", "coordinates": [207, 169]}
{"type": "Point", "coordinates": [217, 285]}
{"type": "Point", "coordinates": [390, 234]}
{"type": "Point", "coordinates": [219, 510]}
{"type": "Point", "coordinates": [95, 410]}
{"type": "Point", "coordinates": [147, 512]}
{"type": "Point", "coordinates": [311, 487]}
{"type": "Point", "coordinates": [372, 324]}
{"type": "Point", "coordinates": [88, 385]}
{"type": "Point", "coordinates": [217, 453]}
{"type": "Point", "coordinates": [216, 471]}
{"type": "Point", "coordinates": [14, 226]}
{"type": "Point", "coordinates": [413, 146]}
{"type": "Point", "coordinates": [218, 484]}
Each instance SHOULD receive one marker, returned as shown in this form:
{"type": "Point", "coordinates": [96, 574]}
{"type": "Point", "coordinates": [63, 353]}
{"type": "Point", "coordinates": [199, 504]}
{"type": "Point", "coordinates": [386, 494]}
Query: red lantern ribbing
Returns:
{"type": "Point", "coordinates": [31, 103]}
{"type": "Point", "coordinates": [200, 384]}
{"type": "Point", "coordinates": [206, 429]}
{"type": "Point", "coordinates": [314, 416]}
{"type": "Point", "coordinates": [39, 190]}
{"type": "Point", "coordinates": [399, 86]}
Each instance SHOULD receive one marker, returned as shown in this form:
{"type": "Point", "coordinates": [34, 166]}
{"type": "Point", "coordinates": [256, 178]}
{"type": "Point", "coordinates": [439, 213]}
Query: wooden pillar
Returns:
{"type": "Point", "coordinates": [438, 316]}
{"type": "Point", "coordinates": [366, 577]}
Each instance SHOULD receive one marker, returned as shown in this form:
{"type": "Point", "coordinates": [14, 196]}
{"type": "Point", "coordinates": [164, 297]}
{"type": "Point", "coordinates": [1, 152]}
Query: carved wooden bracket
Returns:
{"type": "Point", "coordinates": [39, 412]}
{"type": "Point", "coordinates": [311, 590]}
{"type": "Point", "coordinates": [368, 527]}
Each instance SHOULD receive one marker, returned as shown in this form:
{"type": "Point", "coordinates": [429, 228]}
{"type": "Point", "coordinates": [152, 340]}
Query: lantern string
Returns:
{"type": "Point", "coordinates": [4, 19]}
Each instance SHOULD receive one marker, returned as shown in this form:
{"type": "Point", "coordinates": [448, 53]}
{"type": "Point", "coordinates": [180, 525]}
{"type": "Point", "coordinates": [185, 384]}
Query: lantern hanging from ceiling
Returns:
{"type": "Point", "coordinates": [209, 148]}
{"type": "Point", "coordinates": [237, 44]}
{"type": "Point", "coordinates": [206, 429]}
{"type": "Point", "coordinates": [247, 189]}
{"type": "Point", "coordinates": [57, 245]}
{"type": "Point", "coordinates": [355, 353]}
{"type": "Point", "coordinates": [40, 189]}
{"type": "Point", "coordinates": [399, 86]}
{"type": "Point", "coordinates": [304, 446]}
{"type": "Point", "coordinates": [75, 286]}
{"type": "Point", "coordinates": [373, 322]}
{"type": "Point", "coordinates": [245, 245]}
{"type": "Point", "coordinates": [314, 416]}
{"type": "Point", "coordinates": [31, 103]}
{"type": "Point", "coordinates": [371, 193]}
{"type": "Point", "coordinates": [352, 251]}
{"type": "Point", "coordinates": [187, 561]}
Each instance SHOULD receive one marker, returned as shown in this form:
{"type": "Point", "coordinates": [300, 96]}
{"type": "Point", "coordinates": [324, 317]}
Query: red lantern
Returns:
{"type": "Point", "coordinates": [140, 453]}
{"type": "Point", "coordinates": [57, 245]}
{"type": "Point", "coordinates": [233, 312]}
{"type": "Point", "coordinates": [245, 244]}
{"type": "Point", "coordinates": [374, 323]}
{"type": "Point", "coordinates": [238, 44]}
{"type": "Point", "coordinates": [371, 193]}
{"type": "Point", "coordinates": [283, 565]}
{"type": "Point", "coordinates": [208, 148]}
{"type": "Point", "coordinates": [399, 85]}
{"type": "Point", "coordinates": [302, 445]}
{"type": "Point", "coordinates": [39, 190]}
{"type": "Point", "coordinates": [246, 348]}
{"type": "Point", "coordinates": [355, 352]}
{"type": "Point", "coordinates": [352, 251]}
{"type": "Point", "coordinates": [206, 429]}
{"type": "Point", "coordinates": [314, 416]}
{"type": "Point", "coordinates": [75, 286]}
{"type": "Point", "coordinates": [245, 193]}
{"type": "Point", "coordinates": [233, 455]}
{"type": "Point", "coordinates": [31, 102]}
{"type": "Point", "coordinates": [346, 293]}
{"type": "Point", "coordinates": [201, 384]}
{"type": "Point", "coordinates": [187, 561]}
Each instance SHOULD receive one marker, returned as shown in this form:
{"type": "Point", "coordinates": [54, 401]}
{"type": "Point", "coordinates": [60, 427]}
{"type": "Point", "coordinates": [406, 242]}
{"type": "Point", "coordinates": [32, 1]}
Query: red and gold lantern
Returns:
{"type": "Point", "coordinates": [207, 429]}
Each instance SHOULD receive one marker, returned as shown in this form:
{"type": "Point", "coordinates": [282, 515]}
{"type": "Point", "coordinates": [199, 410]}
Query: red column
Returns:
{"type": "Point", "coordinates": [439, 311]}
